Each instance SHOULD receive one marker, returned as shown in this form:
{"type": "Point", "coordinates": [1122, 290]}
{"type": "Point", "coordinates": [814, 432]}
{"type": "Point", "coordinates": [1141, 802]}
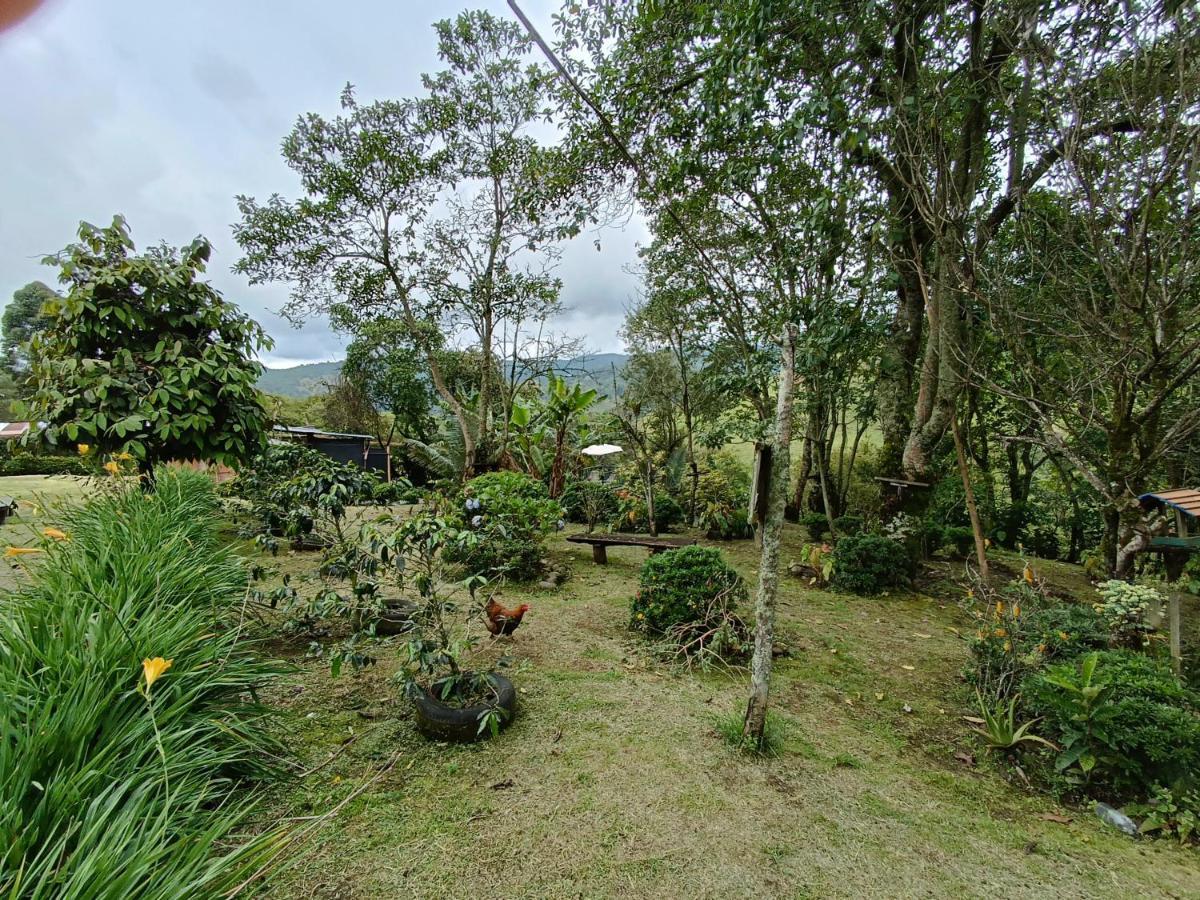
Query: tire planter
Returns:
{"type": "Point", "coordinates": [396, 618]}
{"type": "Point", "coordinates": [441, 722]}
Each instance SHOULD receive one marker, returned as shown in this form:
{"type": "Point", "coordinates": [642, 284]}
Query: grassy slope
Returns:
{"type": "Point", "coordinates": [613, 781]}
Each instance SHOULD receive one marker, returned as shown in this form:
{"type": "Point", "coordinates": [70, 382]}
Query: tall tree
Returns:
{"type": "Point", "coordinates": [427, 210]}
{"type": "Point", "coordinates": [142, 357]}
{"type": "Point", "coordinates": [22, 317]}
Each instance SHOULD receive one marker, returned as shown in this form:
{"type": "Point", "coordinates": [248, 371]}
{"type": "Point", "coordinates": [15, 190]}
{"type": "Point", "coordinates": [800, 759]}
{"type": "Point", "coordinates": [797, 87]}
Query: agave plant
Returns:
{"type": "Point", "coordinates": [999, 729]}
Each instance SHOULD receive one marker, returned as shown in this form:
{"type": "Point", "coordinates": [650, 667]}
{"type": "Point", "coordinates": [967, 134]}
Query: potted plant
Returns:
{"type": "Point", "coordinates": [451, 701]}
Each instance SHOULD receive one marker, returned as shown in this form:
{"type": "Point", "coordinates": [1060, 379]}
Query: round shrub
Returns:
{"type": "Point", "coordinates": [816, 524]}
{"type": "Point", "coordinates": [869, 563]}
{"type": "Point", "coordinates": [1142, 729]}
{"type": "Point", "coordinates": [511, 513]}
{"type": "Point", "coordinates": [848, 524]}
{"type": "Point", "coordinates": [961, 540]}
{"type": "Point", "coordinates": [682, 587]}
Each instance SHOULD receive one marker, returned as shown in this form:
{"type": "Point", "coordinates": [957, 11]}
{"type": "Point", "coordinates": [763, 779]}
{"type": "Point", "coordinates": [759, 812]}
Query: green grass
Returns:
{"type": "Point", "coordinates": [615, 779]}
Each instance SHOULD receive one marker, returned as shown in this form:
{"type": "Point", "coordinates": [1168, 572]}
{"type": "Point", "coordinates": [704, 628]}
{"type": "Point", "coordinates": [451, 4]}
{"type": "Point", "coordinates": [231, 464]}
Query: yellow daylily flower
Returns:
{"type": "Point", "coordinates": [1016, 610]}
{"type": "Point", "coordinates": [152, 669]}
{"type": "Point", "coordinates": [21, 551]}
{"type": "Point", "coordinates": [1027, 574]}
{"type": "Point", "coordinates": [112, 467]}
{"type": "Point", "coordinates": [84, 449]}
{"type": "Point", "coordinates": [56, 534]}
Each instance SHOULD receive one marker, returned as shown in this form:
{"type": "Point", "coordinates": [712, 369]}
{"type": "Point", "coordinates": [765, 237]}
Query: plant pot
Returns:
{"type": "Point", "coordinates": [443, 722]}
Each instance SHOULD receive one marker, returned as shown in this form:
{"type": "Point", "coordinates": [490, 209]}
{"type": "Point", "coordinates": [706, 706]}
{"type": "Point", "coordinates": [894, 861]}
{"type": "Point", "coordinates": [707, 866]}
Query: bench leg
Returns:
{"type": "Point", "coordinates": [600, 554]}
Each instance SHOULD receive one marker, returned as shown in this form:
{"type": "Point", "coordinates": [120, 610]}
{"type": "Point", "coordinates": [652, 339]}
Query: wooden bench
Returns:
{"type": "Point", "coordinates": [601, 542]}
{"type": "Point", "coordinates": [8, 506]}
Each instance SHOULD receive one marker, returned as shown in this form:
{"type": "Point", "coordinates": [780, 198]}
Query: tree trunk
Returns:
{"type": "Point", "coordinates": [768, 570]}
{"type": "Point", "coordinates": [972, 509]}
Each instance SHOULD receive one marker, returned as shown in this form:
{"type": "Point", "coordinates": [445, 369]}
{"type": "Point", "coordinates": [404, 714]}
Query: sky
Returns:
{"type": "Point", "coordinates": [164, 111]}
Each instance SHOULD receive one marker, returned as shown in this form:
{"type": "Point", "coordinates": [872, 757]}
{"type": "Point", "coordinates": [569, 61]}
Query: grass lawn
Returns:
{"type": "Point", "coordinates": [614, 782]}
{"type": "Point", "coordinates": [37, 497]}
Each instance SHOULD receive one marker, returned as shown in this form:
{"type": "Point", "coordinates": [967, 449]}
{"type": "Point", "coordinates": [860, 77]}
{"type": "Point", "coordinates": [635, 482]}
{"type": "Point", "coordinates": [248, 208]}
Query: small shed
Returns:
{"type": "Point", "coordinates": [10, 431]}
{"type": "Point", "coordinates": [344, 448]}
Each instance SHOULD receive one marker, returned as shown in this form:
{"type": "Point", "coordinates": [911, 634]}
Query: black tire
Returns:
{"type": "Point", "coordinates": [441, 722]}
{"type": "Point", "coordinates": [396, 618]}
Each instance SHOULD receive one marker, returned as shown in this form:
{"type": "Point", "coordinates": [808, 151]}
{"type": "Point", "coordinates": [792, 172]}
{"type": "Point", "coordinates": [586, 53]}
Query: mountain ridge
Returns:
{"type": "Point", "coordinates": [595, 370]}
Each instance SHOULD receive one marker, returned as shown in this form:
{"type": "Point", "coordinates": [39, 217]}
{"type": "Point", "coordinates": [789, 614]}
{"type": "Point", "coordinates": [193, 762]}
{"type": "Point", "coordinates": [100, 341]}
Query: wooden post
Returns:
{"type": "Point", "coordinates": [1173, 619]}
{"type": "Point", "coordinates": [599, 554]}
{"type": "Point", "coordinates": [972, 509]}
{"type": "Point", "coordinates": [768, 568]}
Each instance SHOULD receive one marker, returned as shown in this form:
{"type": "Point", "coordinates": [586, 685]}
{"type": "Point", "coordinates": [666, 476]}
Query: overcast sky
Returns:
{"type": "Point", "coordinates": [163, 111]}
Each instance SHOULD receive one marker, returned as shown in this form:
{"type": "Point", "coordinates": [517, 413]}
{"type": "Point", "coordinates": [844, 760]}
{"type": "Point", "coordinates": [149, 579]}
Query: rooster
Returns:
{"type": "Point", "coordinates": [500, 620]}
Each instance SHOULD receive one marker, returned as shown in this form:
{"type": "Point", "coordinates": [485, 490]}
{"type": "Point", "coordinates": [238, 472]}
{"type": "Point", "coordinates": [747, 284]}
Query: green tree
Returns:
{"type": "Point", "coordinates": [428, 211]}
{"type": "Point", "coordinates": [22, 317]}
{"type": "Point", "coordinates": [386, 363]}
{"type": "Point", "coordinates": [142, 357]}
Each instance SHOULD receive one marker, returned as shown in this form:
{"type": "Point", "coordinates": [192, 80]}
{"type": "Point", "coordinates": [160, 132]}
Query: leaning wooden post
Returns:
{"type": "Point", "coordinates": [768, 567]}
{"type": "Point", "coordinates": [1173, 620]}
{"type": "Point", "coordinates": [972, 509]}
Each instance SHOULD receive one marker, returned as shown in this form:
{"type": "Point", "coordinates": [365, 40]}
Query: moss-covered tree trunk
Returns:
{"type": "Point", "coordinates": [768, 569]}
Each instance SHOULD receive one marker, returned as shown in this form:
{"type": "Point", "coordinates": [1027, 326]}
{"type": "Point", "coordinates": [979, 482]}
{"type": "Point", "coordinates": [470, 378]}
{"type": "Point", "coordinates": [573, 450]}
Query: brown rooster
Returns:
{"type": "Point", "coordinates": [500, 620]}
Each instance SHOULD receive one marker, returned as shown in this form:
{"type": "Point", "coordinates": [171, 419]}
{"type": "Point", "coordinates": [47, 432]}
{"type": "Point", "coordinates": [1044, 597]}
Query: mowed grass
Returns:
{"type": "Point", "coordinates": [614, 781]}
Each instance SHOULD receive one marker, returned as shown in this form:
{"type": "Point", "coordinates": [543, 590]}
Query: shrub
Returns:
{"type": "Point", "coordinates": [921, 538]}
{"type": "Point", "coordinates": [1123, 720]}
{"type": "Point", "coordinates": [510, 514]}
{"type": "Point", "coordinates": [1124, 610]}
{"type": "Point", "coordinates": [589, 502]}
{"type": "Point", "coordinates": [292, 489]}
{"type": "Point", "coordinates": [1020, 630]}
{"type": "Point", "coordinates": [690, 595]}
{"type": "Point", "coordinates": [21, 463]}
{"type": "Point", "coordinates": [869, 563]}
{"type": "Point", "coordinates": [1171, 813]}
{"type": "Point", "coordinates": [89, 810]}
{"type": "Point", "coordinates": [391, 493]}
{"type": "Point", "coordinates": [961, 541]}
{"type": "Point", "coordinates": [848, 524]}
{"type": "Point", "coordinates": [1041, 539]}
{"type": "Point", "coordinates": [631, 510]}
{"type": "Point", "coordinates": [722, 506]}
{"type": "Point", "coordinates": [816, 524]}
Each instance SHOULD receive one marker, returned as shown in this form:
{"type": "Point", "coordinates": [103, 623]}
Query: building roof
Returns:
{"type": "Point", "coordinates": [321, 434]}
{"type": "Point", "coordinates": [10, 430]}
{"type": "Point", "coordinates": [1186, 500]}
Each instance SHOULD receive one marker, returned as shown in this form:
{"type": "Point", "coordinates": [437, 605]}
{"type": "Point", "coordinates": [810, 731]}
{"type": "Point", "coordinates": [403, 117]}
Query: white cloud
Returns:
{"type": "Point", "coordinates": [164, 112]}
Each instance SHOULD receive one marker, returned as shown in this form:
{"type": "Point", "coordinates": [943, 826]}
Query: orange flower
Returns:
{"type": "Point", "coordinates": [112, 467]}
{"type": "Point", "coordinates": [152, 669]}
{"type": "Point", "coordinates": [1016, 610]}
{"type": "Point", "coordinates": [56, 534]}
{"type": "Point", "coordinates": [999, 607]}
{"type": "Point", "coordinates": [83, 449]}
{"type": "Point", "coordinates": [1000, 632]}
{"type": "Point", "coordinates": [1027, 574]}
{"type": "Point", "coordinates": [20, 551]}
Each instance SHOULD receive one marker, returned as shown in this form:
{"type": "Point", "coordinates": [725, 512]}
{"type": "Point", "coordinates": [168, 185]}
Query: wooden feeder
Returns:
{"type": "Point", "coordinates": [1175, 548]}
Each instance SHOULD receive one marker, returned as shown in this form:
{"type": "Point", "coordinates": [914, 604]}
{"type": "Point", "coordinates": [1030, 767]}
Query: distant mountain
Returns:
{"type": "Point", "coordinates": [299, 381]}
{"type": "Point", "coordinates": [595, 371]}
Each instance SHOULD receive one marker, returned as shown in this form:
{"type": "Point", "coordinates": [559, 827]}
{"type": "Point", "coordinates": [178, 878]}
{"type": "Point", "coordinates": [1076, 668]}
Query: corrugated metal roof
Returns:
{"type": "Point", "coordinates": [1186, 500]}
{"type": "Point", "coordinates": [319, 433]}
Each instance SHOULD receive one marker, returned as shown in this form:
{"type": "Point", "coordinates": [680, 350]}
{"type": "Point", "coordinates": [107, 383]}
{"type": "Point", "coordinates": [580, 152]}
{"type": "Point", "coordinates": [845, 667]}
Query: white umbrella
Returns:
{"type": "Point", "coordinates": [601, 449]}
